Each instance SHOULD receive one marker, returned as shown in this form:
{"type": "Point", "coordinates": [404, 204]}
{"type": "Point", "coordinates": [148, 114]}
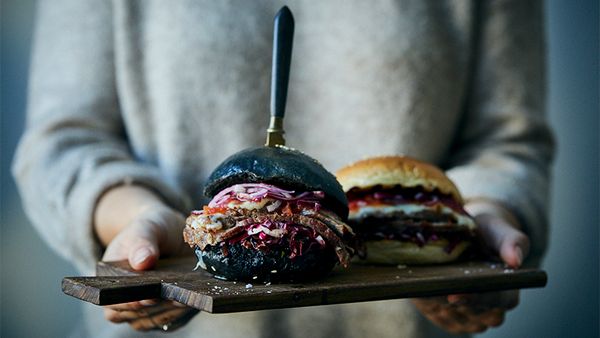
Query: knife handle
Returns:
{"type": "Point", "coordinates": [283, 36]}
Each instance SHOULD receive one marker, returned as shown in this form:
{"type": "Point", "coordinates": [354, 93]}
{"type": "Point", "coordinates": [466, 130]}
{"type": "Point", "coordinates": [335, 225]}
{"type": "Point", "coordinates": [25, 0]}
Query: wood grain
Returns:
{"type": "Point", "coordinates": [174, 279]}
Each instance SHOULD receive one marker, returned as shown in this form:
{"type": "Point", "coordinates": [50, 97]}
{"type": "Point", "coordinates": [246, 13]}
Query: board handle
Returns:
{"type": "Point", "coordinates": [110, 290]}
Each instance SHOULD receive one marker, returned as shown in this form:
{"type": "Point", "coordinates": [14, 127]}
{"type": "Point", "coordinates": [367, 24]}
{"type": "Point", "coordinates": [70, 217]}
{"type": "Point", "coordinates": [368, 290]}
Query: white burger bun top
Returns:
{"type": "Point", "coordinates": [389, 171]}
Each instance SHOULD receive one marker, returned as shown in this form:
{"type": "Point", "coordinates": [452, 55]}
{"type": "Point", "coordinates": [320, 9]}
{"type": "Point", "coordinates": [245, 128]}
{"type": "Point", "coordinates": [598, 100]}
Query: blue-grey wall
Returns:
{"type": "Point", "coordinates": [32, 304]}
{"type": "Point", "coordinates": [568, 306]}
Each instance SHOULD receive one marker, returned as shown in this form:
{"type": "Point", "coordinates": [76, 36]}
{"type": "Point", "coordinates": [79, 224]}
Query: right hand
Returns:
{"type": "Point", "coordinates": [474, 313]}
{"type": "Point", "coordinates": [155, 232]}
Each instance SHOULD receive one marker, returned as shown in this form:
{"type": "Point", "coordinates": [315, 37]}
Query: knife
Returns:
{"type": "Point", "coordinates": [283, 35]}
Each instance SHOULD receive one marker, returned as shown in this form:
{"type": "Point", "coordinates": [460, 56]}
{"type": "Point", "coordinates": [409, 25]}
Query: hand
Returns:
{"type": "Point", "coordinates": [472, 313]}
{"type": "Point", "coordinates": [155, 231]}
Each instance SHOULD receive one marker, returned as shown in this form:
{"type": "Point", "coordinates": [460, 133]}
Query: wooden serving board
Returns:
{"type": "Point", "coordinates": [174, 279]}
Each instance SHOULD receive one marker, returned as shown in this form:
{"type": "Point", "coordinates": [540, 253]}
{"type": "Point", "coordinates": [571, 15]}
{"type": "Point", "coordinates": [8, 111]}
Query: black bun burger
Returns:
{"type": "Point", "coordinates": [275, 215]}
{"type": "Point", "coordinates": [405, 211]}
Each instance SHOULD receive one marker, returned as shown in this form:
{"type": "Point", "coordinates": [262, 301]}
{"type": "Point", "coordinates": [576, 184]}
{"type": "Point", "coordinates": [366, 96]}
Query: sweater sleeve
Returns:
{"type": "Point", "coordinates": [505, 147]}
{"type": "Point", "coordinates": [74, 147]}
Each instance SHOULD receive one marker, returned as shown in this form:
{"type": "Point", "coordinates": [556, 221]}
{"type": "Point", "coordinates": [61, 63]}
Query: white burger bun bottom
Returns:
{"type": "Point", "coordinates": [394, 252]}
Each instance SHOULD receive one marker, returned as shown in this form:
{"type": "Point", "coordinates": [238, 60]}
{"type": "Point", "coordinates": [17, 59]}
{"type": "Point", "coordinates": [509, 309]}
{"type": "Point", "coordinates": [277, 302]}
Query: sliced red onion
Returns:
{"type": "Point", "coordinates": [254, 192]}
{"type": "Point", "coordinates": [273, 206]}
{"type": "Point", "coordinates": [320, 240]}
{"type": "Point", "coordinates": [264, 230]}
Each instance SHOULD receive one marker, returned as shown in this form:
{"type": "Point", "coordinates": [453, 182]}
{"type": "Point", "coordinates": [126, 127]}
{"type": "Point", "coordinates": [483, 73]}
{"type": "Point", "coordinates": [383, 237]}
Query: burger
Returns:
{"type": "Point", "coordinates": [405, 211]}
{"type": "Point", "coordinates": [275, 215]}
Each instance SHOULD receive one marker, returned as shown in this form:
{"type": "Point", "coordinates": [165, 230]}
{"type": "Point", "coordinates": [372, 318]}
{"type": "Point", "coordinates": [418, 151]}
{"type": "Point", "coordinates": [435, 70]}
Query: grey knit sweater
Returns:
{"type": "Point", "coordinates": [159, 92]}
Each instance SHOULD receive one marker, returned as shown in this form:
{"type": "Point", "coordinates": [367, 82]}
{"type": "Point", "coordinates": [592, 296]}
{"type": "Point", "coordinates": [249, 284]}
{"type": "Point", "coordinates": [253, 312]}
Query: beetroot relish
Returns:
{"type": "Point", "coordinates": [420, 236]}
{"type": "Point", "coordinates": [397, 195]}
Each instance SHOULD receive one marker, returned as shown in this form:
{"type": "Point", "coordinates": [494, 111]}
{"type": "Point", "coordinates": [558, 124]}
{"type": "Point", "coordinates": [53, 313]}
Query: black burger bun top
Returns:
{"type": "Point", "coordinates": [281, 166]}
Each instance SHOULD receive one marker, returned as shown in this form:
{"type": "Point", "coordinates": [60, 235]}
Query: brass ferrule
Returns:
{"type": "Point", "coordinates": [275, 132]}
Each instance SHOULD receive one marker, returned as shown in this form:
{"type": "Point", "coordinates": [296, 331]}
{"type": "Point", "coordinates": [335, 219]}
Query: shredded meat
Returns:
{"type": "Point", "coordinates": [332, 221]}
{"type": "Point", "coordinates": [235, 221]}
{"type": "Point", "coordinates": [401, 219]}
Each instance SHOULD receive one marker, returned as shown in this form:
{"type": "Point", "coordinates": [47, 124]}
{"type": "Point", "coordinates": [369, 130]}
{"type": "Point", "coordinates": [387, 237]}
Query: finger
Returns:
{"type": "Point", "coordinates": [123, 316]}
{"type": "Point", "coordinates": [132, 306]}
{"type": "Point", "coordinates": [458, 299]}
{"type": "Point", "coordinates": [493, 318]}
{"type": "Point", "coordinates": [132, 311]}
{"type": "Point", "coordinates": [445, 323]}
{"type": "Point", "coordinates": [454, 315]}
{"type": "Point", "coordinates": [481, 302]}
{"type": "Point", "coordinates": [474, 328]}
{"type": "Point", "coordinates": [119, 316]}
{"type": "Point", "coordinates": [505, 300]}
{"type": "Point", "coordinates": [464, 322]}
{"type": "Point", "coordinates": [112, 315]}
{"type": "Point", "coordinates": [477, 323]}
{"type": "Point", "coordinates": [157, 321]}
{"type": "Point", "coordinates": [453, 318]}
{"type": "Point", "coordinates": [436, 300]}
{"type": "Point", "coordinates": [183, 319]}
{"type": "Point", "coordinates": [177, 304]}
{"type": "Point", "coordinates": [128, 316]}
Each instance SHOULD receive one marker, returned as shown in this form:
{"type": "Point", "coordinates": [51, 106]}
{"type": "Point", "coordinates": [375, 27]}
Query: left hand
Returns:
{"type": "Point", "coordinates": [471, 313]}
{"type": "Point", "coordinates": [154, 232]}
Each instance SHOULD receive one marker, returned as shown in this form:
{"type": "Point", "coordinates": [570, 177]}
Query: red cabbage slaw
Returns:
{"type": "Point", "coordinates": [255, 192]}
{"type": "Point", "coordinates": [287, 236]}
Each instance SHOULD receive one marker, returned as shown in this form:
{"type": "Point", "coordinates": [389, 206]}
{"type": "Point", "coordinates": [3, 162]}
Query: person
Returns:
{"type": "Point", "coordinates": [132, 104]}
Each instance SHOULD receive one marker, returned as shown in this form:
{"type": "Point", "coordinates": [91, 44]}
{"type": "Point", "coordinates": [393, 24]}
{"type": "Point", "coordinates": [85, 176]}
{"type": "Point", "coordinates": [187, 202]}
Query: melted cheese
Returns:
{"type": "Point", "coordinates": [207, 222]}
{"type": "Point", "coordinates": [249, 205]}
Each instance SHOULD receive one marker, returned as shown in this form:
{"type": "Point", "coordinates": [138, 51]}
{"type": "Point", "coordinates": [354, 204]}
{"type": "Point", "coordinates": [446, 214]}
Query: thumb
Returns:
{"type": "Point", "coordinates": [504, 239]}
{"type": "Point", "coordinates": [514, 246]}
{"type": "Point", "coordinates": [152, 237]}
{"type": "Point", "coordinates": [500, 232]}
{"type": "Point", "coordinates": [157, 232]}
{"type": "Point", "coordinates": [144, 253]}
{"type": "Point", "coordinates": [138, 243]}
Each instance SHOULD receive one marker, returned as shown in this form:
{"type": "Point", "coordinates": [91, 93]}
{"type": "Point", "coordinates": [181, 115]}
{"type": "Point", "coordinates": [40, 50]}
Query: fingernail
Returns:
{"type": "Point", "coordinates": [148, 302]}
{"type": "Point", "coordinates": [141, 255]}
{"type": "Point", "coordinates": [456, 299]}
{"type": "Point", "coordinates": [519, 254]}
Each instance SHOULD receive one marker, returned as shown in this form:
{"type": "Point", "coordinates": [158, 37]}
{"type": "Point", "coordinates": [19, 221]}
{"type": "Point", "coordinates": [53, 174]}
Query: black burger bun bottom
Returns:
{"type": "Point", "coordinates": [252, 265]}
{"type": "Point", "coordinates": [451, 227]}
{"type": "Point", "coordinates": [285, 168]}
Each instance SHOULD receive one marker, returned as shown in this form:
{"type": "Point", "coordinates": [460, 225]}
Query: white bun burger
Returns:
{"type": "Point", "coordinates": [406, 211]}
